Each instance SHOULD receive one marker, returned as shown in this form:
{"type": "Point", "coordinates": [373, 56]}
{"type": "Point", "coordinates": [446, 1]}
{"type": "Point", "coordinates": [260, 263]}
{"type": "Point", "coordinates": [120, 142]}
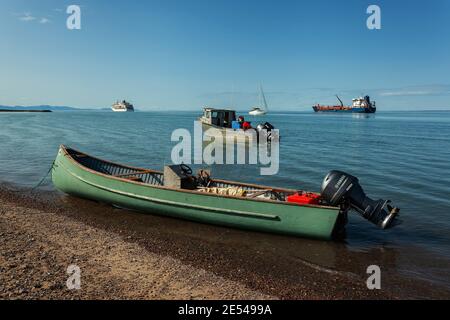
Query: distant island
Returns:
{"type": "Point", "coordinates": [41, 108]}
{"type": "Point", "coordinates": [47, 108]}
{"type": "Point", "coordinates": [11, 110]}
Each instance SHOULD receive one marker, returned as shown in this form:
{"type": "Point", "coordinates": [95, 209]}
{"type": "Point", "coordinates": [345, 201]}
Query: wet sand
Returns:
{"type": "Point", "coordinates": [129, 255]}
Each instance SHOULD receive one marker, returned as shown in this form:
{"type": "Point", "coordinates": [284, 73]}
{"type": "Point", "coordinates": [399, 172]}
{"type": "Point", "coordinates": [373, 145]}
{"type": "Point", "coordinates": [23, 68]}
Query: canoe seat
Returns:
{"type": "Point", "coordinates": [138, 179]}
{"type": "Point", "coordinates": [132, 173]}
{"type": "Point", "coordinates": [80, 155]}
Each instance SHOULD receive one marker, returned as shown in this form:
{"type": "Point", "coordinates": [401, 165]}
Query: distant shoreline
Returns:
{"type": "Point", "coordinates": [3, 110]}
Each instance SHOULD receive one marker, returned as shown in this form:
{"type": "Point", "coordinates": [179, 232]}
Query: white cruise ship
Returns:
{"type": "Point", "coordinates": [122, 106]}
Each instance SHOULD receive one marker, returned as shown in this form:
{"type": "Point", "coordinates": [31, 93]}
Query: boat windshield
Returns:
{"type": "Point", "coordinates": [221, 118]}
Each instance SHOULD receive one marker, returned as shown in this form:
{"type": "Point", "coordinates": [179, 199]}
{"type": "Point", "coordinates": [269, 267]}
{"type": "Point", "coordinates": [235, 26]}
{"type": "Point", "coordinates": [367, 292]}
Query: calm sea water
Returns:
{"type": "Point", "coordinates": [400, 156]}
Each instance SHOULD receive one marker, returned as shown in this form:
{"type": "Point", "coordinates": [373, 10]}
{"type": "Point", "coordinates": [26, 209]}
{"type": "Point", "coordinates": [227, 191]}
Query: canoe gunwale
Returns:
{"type": "Point", "coordinates": [66, 154]}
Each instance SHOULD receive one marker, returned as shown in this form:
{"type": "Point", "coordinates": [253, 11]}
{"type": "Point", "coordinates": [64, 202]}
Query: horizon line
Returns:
{"type": "Point", "coordinates": [164, 109]}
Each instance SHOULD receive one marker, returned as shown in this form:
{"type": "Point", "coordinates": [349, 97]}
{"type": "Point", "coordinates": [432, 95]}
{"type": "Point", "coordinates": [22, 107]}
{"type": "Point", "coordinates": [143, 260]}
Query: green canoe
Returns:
{"type": "Point", "coordinates": [82, 175]}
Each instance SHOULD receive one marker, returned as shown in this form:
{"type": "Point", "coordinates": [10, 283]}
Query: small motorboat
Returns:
{"type": "Point", "coordinates": [176, 192]}
{"type": "Point", "coordinates": [224, 121]}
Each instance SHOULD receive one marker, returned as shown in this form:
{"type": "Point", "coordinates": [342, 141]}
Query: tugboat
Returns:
{"type": "Point", "coordinates": [122, 106]}
{"type": "Point", "coordinates": [359, 105]}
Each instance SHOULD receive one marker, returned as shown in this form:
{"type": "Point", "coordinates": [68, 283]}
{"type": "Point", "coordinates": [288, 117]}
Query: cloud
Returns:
{"type": "Point", "coordinates": [404, 93]}
{"type": "Point", "coordinates": [428, 90]}
{"type": "Point", "coordinates": [44, 20]}
{"type": "Point", "coordinates": [27, 17]}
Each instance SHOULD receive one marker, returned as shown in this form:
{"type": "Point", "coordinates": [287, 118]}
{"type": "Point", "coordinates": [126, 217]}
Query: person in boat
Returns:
{"type": "Point", "coordinates": [245, 125]}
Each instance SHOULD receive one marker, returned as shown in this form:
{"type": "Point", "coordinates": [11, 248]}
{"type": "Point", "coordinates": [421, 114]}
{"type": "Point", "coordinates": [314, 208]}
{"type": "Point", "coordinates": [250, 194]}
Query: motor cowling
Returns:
{"type": "Point", "coordinates": [339, 188]}
{"type": "Point", "coordinates": [267, 127]}
{"type": "Point", "coordinates": [264, 126]}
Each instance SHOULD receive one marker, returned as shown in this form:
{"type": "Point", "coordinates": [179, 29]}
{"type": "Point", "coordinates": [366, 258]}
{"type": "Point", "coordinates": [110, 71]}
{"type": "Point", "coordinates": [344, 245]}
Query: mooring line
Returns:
{"type": "Point", "coordinates": [43, 178]}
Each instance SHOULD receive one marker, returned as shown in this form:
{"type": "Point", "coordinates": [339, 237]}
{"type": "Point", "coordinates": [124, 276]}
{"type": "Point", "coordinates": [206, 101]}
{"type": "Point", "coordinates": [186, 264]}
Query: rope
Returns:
{"type": "Point", "coordinates": [43, 179]}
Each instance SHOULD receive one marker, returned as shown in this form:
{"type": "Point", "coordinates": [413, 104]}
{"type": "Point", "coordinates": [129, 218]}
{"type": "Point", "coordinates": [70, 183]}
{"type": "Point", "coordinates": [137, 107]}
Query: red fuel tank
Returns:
{"type": "Point", "coordinates": [304, 198]}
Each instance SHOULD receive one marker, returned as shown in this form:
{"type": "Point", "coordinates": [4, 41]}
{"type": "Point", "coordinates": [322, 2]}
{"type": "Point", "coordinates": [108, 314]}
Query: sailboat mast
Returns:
{"type": "Point", "coordinates": [263, 98]}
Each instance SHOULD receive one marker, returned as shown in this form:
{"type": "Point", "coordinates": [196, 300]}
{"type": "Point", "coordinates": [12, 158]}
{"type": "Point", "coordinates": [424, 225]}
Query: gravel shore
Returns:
{"type": "Point", "coordinates": [37, 246]}
{"type": "Point", "coordinates": [128, 255]}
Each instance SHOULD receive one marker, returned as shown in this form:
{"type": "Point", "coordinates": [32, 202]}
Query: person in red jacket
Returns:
{"type": "Point", "coordinates": [244, 124]}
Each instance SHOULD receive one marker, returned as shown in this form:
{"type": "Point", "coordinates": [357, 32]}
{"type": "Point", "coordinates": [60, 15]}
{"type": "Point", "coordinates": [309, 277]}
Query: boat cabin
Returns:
{"type": "Point", "coordinates": [363, 102]}
{"type": "Point", "coordinates": [218, 117]}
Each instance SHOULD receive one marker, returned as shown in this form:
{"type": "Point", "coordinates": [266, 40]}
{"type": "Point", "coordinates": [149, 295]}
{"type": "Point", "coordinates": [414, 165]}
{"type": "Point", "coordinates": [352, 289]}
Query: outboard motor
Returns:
{"type": "Point", "coordinates": [265, 126]}
{"type": "Point", "coordinates": [341, 188]}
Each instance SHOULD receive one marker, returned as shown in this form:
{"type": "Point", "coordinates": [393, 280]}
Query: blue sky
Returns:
{"type": "Point", "coordinates": [166, 54]}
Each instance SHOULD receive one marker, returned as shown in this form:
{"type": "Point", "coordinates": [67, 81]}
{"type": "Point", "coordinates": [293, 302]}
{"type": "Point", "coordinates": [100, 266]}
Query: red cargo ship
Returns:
{"type": "Point", "coordinates": [359, 105]}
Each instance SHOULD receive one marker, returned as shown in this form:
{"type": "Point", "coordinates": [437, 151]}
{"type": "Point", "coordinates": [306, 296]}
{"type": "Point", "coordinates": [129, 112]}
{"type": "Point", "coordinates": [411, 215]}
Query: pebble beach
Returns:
{"type": "Point", "coordinates": [128, 255]}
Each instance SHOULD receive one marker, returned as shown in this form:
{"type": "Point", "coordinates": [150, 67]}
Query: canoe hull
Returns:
{"type": "Point", "coordinates": [306, 221]}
